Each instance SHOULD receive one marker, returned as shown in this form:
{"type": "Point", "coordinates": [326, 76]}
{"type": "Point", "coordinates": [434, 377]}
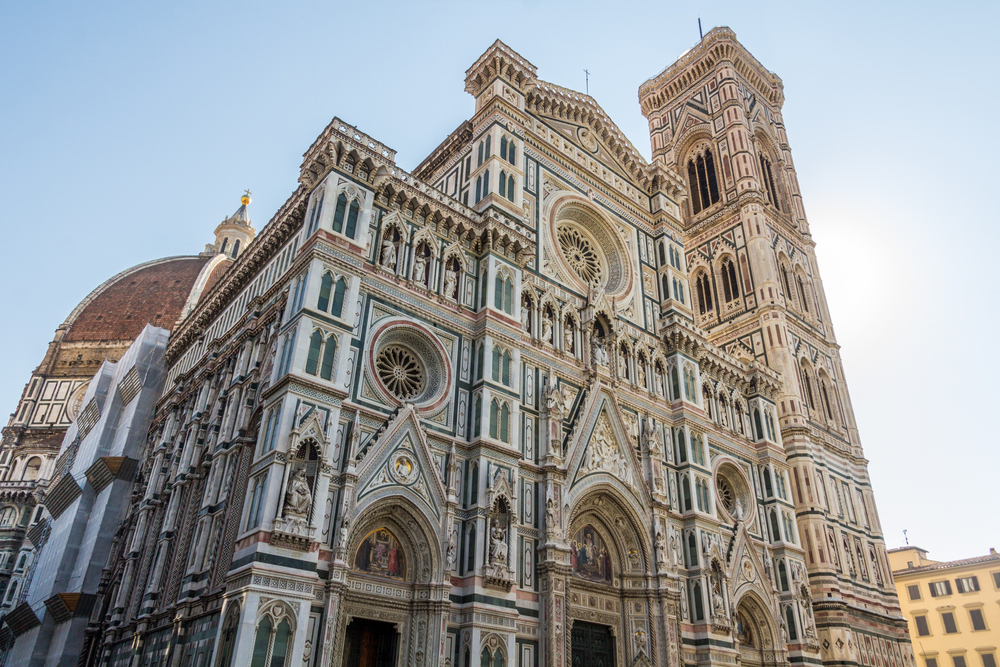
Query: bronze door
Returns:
{"type": "Point", "coordinates": [593, 645]}
{"type": "Point", "coordinates": [370, 644]}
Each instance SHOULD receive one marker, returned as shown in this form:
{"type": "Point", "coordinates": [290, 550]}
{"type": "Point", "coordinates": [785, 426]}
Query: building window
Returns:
{"type": "Point", "coordinates": [704, 291]}
{"type": "Point", "coordinates": [314, 216]}
{"type": "Point", "coordinates": [352, 219]}
{"type": "Point", "coordinates": [767, 177]}
{"type": "Point", "coordinates": [978, 622]}
{"type": "Point", "coordinates": [949, 623]}
{"type": "Point", "coordinates": [8, 516]}
{"type": "Point", "coordinates": [501, 366]}
{"type": "Point", "coordinates": [989, 660]}
{"type": "Point", "coordinates": [996, 579]}
{"type": "Point", "coordinates": [254, 510]}
{"type": "Point", "coordinates": [503, 293]}
{"type": "Point", "coordinates": [338, 214]}
{"type": "Point", "coordinates": [270, 643]}
{"type": "Point", "coordinates": [702, 183]}
{"type": "Point", "coordinates": [967, 584]}
{"type": "Point", "coordinates": [914, 591]}
{"type": "Point", "coordinates": [730, 287]}
{"type": "Point", "coordinates": [31, 469]}
{"type": "Point", "coordinates": [931, 662]}
{"type": "Point", "coordinates": [959, 660]}
{"type": "Point", "coordinates": [940, 588]}
{"type": "Point", "coordinates": [503, 182]}
{"type": "Point", "coordinates": [470, 563]}
{"type": "Point", "coordinates": [923, 630]}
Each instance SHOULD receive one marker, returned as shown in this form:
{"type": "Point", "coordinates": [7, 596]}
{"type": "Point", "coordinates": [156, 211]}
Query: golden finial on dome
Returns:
{"type": "Point", "coordinates": [245, 199]}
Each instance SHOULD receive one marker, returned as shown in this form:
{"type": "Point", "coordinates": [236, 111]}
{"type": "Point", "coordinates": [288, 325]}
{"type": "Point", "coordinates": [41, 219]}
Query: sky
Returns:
{"type": "Point", "coordinates": [128, 131]}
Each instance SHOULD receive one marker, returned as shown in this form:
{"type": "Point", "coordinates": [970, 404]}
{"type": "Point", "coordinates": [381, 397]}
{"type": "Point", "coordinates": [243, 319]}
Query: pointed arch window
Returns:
{"type": "Point", "coordinates": [730, 284]}
{"type": "Point", "coordinates": [325, 287]}
{"type": "Point", "coordinates": [477, 415]}
{"type": "Point", "coordinates": [317, 210]}
{"type": "Point", "coordinates": [807, 388]}
{"type": "Point", "coordinates": [352, 219]}
{"type": "Point", "coordinates": [488, 151]}
{"type": "Point", "coordinates": [479, 188]}
{"type": "Point", "coordinates": [702, 181]}
{"type": "Point", "coordinates": [775, 531]}
{"type": "Point", "coordinates": [236, 249]}
{"type": "Point", "coordinates": [503, 147]}
{"type": "Point", "coordinates": [785, 282]}
{"type": "Point", "coordinates": [329, 353]}
{"type": "Point", "coordinates": [470, 563]}
{"type": "Point", "coordinates": [802, 294]}
{"type": "Point", "coordinates": [486, 183]}
{"type": "Point", "coordinates": [338, 298]}
{"type": "Point", "coordinates": [511, 152]}
{"type": "Point", "coordinates": [704, 289]}
{"type": "Point", "coordinates": [699, 605]}
{"type": "Point", "coordinates": [767, 177]}
{"type": "Point", "coordinates": [503, 181]}
{"type": "Point", "coordinates": [338, 213]}
{"type": "Point", "coordinates": [686, 493]}
{"type": "Point", "coordinates": [510, 188]}
{"type": "Point", "coordinates": [315, 345]}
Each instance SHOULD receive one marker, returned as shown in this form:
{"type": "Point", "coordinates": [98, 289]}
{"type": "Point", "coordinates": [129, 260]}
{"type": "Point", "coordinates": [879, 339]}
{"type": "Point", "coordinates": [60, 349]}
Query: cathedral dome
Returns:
{"type": "Point", "coordinates": [157, 292]}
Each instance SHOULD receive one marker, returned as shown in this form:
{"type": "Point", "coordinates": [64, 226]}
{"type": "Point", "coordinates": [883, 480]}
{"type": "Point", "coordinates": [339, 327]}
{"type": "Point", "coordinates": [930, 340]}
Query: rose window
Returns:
{"type": "Point", "coordinates": [580, 255]}
{"type": "Point", "coordinates": [400, 371]}
{"type": "Point", "coordinates": [726, 495]}
{"type": "Point", "coordinates": [733, 492]}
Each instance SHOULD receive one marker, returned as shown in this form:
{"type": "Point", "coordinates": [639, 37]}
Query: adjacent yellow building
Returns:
{"type": "Point", "coordinates": [953, 608]}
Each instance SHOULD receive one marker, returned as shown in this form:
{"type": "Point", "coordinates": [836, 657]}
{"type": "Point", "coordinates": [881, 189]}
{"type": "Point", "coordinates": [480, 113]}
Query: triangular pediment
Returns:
{"type": "Point", "coordinates": [601, 451]}
{"type": "Point", "coordinates": [401, 461]}
{"type": "Point", "coordinates": [590, 143]}
{"type": "Point", "coordinates": [745, 568]}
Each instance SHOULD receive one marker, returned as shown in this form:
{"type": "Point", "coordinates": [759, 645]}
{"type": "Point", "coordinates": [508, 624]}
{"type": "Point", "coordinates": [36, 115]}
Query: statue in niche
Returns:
{"type": "Point", "coordinates": [526, 317]}
{"type": "Point", "coordinates": [675, 546]}
{"type": "Point", "coordinates": [388, 254]}
{"type": "Point", "coordinates": [298, 497]}
{"type": "Point", "coordinates": [450, 555]}
{"type": "Point", "coordinates": [599, 352]}
{"type": "Point", "coordinates": [420, 268]}
{"type": "Point", "coordinates": [498, 543]}
{"type": "Point", "coordinates": [555, 402]}
{"type": "Point", "coordinates": [661, 548]}
{"type": "Point", "coordinates": [551, 516]}
{"type": "Point", "coordinates": [547, 327]}
{"type": "Point", "coordinates": [657, 379]}
{"type": "Point", "coordinates": [451, 283]}
{"type": "Point", "coordinates": [568, 337]}
{"type": "Point", "coordinates": [641, 375]}
{"type": "Point", "coordinates": [622, 365]}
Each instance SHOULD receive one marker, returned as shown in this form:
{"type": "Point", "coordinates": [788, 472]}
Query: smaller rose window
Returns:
{"type": "Point", "coordinates": [580, 255]}
{"type": "Point", "coordinates": [400, 371]}
{"type": "Point", "coordinates": [726, 495]}
{"type": "Point", "coordinates": [733, 492]}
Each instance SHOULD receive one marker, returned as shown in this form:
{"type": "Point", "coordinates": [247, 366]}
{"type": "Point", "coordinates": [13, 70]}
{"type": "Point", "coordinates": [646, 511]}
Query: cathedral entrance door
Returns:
{"type": "Point", "coordinates": [370, 644]}
{"type": "Point", "coordinates": [593, 645]}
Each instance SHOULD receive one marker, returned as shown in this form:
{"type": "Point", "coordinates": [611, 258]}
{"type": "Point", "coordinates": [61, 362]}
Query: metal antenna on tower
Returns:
{"type": "Point", "coordinates": [587, 72]}
{"type": "Point", "coordinates": [701, 35]}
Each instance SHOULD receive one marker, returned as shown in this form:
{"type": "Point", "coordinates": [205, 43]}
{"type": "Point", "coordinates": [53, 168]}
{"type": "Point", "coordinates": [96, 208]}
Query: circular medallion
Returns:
{"type": "Point", "coordinates": [400, 371]}
{"type": "Point", "coordinates": [403, 467]}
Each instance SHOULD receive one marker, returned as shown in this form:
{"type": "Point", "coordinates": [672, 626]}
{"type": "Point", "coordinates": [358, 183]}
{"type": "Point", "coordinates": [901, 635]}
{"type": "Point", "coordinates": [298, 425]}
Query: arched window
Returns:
{"type": "Point", "coordinates": [479, 361]}
{"type": "Point", "coordinates": [768, 489]}
{"type": "Point", "coordinates": [236, 248]}
{"type": "Point", "coordinates": [495, 419]}
{"type": "Point", "coordinates": [228, 639]}
{"type": "Point", "coordinates": [503, 147]}
{"type": "Point", "coordinates": [12, 591]}
{"type": "Point", "coordinates": [477, 415]}
{"type": "Point", "coordinates": [689, 391]}
{"type": "Point", "coordinates": [505, 422]}
{"type": "Point", "coordinates": [826, 400]}
{"type": "Point", "coordinates": [704, 290]}
{"type": "Point", "coordinates": [21, 562]}
{"type": "Point", "coordinates": [757, 425]}
{"type": "Point", "coordinates": [270, 643]}
{"type": "Point", "coordinates": [315, 345]}
{"type": "Point", "coordinates": [326, 285]}
{"type": "Point", "coordinates": [675, 386]}
{"type": "Point", "coordinates": [664, 287]}
{"type": "Point", "coordinates": [480, 158]}
{"type": "Point", "coordinates": [225, 245]}
{"type": "Point", "coordinates": [767, 177]}
{"type": "Point", "coordinates": [698, 605]}
{"type": "Point", "coordinates": [807, 388]}
{"type": "Point", "coordinates": [496, 363]}
{"type": "Point", "coordinates": [352, 219]}
{"type": "Point", "coordinates": [470, 563]}
{"type": "Point", "coordinates": [793, 633]}
{"type": "Point", "coordinates": [692, 550]}
{"type": "Point", "coordinates": [479, 188]}
{"type": "Point", "coordinates": [686, 493]}
{"type": "Point", "coordinates": [510, 188]}
{"type": "Point", "coordinates": [782, 571]}
{"type": "Point", "coordinates": [338, 214]}
{"type": "Point", "coordinates": [338, 298]}
{"type": "Point", "coordinates": [702, 182]}
{"type": "Point", "coordinates": [503, 178]}
{"type": "Point", "coordinates": [474, 485]}
{"type": "Point", "coordinates": [482, 291]}
{"type": "Point", "coordinates": [317, 210]}
{"type": "Point", "coordinates": [775, 531]}
{"type": "Point", "coordinates": [486, 179]}
{"type": "Point", "coordinates": [802, 294]}
{"type": "Point", "coordinates": [32, 468]}
{"type": "Point", "coordinates": [511, 152]}
{"type": "Point", "coordinates": [488, 151]}
{"type": "Point", "coordinates": [730, 286]}
{"type": "Point", "coordinates": [329, 352]}
{"type": "Point", "coordinates": [785, 284]}
{"type": "Point", "coordinates": [663, 255]}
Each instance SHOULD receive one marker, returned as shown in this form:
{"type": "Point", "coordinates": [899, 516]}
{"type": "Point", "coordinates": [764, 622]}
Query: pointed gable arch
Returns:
{"type": "Point", "coordinates": [600, 452]}
{"type": "Point", "coordinates": [401, 463]}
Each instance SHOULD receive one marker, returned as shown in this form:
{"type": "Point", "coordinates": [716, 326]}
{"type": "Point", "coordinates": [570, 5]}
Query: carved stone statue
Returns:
{"type": "Point", "coordinates": [388, 254]}
{"type": "Point", "coordinates": [345, 528]}
{"type": "Point", "coordinates": [622, 364]}
{"type": "Point", "coordinates": [661, 549]}
{"type": "Point", "coordinates": [451, 283]}
{"type": "Point", "coordinates": [526, 317]}
{"type": "Point", "coordinates": [555, 402]}
{"type": "Point", "coordinates": [551, 516]}
{"type": "Point", "coordinates": [568, 337]}
{"type": "Point", "coordinates": [658, 380]}
{"type": "Point", "coordinates": [298, 497]}
{"type": "Point", "coordinates": [450, 555]}
{"type": "Point", "coordinates": [599, 352]}
{"type": "Point", "coordinates": [419, 268]}
{"type": "Point", "coordinates": [498, 544]}
{"type": "Point", "coordinates": [641, 375]}
{"type": "Point", "coordinates": [546, 328]}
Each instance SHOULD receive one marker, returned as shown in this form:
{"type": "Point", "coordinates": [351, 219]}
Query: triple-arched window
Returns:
{"type": "Point", "coordinates": [338, 293]}
{"type": "Point", "coordinates": [351, 211]}
{"type": "Point", "coordinates": [272, 641]}
{"type": "Point", "coordinates": [491, 658]}
{"type": "Point", "coordinates": [506, 186]}
{"type": "Point", "coordinates": [702, 181]}
{"type": "Point", "coordinates": [322, 353]}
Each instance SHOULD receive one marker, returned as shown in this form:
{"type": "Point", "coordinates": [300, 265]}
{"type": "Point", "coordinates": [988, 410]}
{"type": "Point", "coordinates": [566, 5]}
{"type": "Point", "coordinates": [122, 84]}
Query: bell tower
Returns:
{"type": "Point", "coordinates": [235, 233]}
{"type": "Point", "coordinates": [715, 118]}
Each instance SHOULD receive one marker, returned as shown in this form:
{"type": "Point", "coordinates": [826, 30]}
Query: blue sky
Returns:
{"type": "Point", "coordinates": [129, 130]}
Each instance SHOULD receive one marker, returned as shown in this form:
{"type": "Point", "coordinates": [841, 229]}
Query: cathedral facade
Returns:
{"type": "Point", "coordinates": [538, 402]}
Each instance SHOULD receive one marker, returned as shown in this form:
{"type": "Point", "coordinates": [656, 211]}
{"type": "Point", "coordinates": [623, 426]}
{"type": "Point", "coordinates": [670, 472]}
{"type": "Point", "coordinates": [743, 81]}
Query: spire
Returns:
{"type": "Point", "coordinates": [234, 233]}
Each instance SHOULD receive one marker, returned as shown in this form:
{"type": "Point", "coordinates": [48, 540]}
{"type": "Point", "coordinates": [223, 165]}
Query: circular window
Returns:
{"type": "Point", "coordinates": [591, 249]}
{"type": "Point", "coordinates": [400, 371]}
{"type": "Point", "coordinates": [407, 362]}
{"type": "Point", "coordinates": [580, 254]}
{"type": "Point", "coordinates": [733, 492]}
